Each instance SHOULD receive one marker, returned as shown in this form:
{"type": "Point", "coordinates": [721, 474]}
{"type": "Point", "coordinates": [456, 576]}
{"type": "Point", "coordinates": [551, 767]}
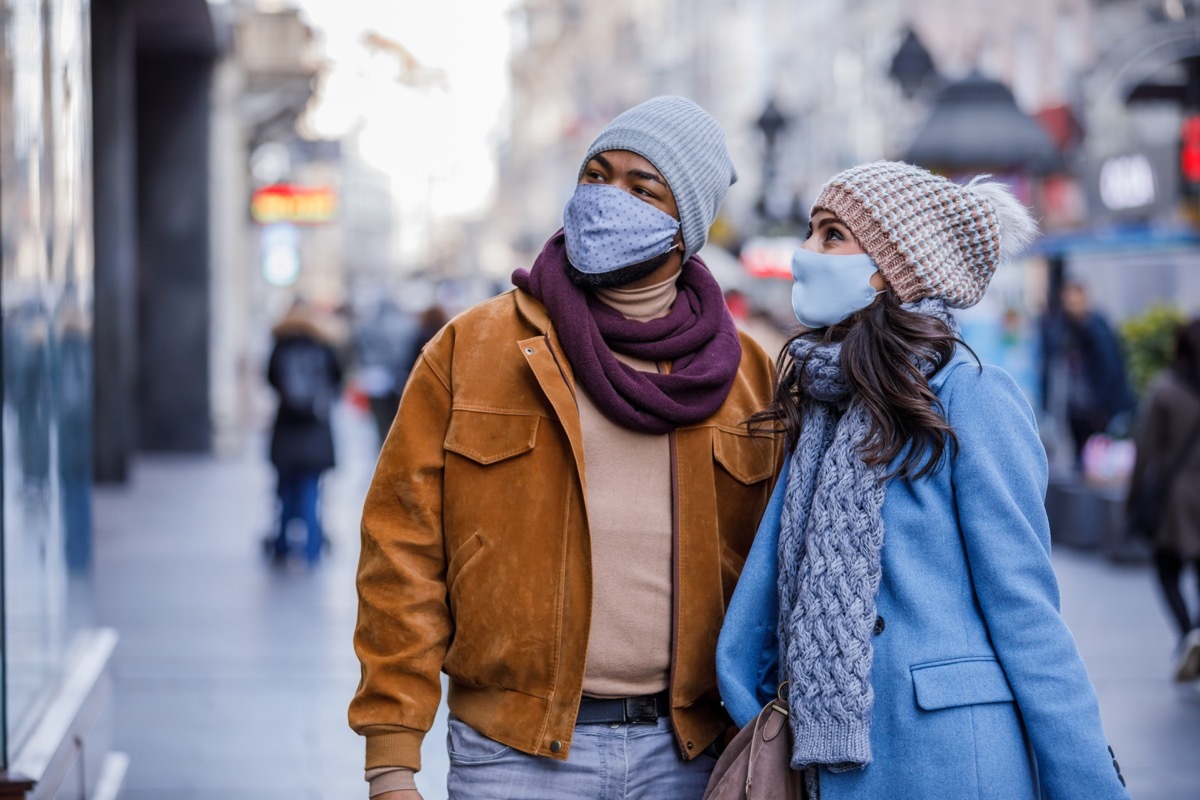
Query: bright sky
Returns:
{"type": "Point", "coordinates": [438, 143]}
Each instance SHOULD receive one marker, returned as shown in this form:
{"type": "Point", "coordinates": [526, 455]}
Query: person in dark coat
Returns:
{"type": "Point", "coordinates": [1166, 442]}
{"type": "Point", "coordinates": [305, 373]}
{"type": "Point", "coordinates": [432, 320]}
{"type": "Point", "coordinates": [383, 343]}
{"type": "Point", "coordinates": [1082, 347]}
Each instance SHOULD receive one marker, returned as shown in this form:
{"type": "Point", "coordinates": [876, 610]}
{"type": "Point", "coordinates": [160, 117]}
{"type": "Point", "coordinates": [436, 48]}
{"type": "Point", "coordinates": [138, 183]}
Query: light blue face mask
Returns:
{"type": "Point", "coordinates": [608, 229]}
{"type": "Point", "coordinates": [830, 288]}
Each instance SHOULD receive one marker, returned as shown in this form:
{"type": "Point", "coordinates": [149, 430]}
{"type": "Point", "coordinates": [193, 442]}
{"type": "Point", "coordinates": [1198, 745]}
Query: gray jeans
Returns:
{"type": "Point", "coordinates": [607, 762]}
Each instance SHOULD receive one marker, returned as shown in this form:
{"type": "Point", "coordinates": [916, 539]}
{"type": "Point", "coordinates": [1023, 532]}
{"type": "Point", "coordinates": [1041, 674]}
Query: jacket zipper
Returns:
{"type": "Point", "coordinates": [675, 541]}
{"type": "Point", "coordinates": [562, 581]}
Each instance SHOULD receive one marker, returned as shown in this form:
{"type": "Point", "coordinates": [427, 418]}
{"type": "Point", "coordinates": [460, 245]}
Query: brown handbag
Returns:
{"type": "Point", "coordinates": [757, 765]}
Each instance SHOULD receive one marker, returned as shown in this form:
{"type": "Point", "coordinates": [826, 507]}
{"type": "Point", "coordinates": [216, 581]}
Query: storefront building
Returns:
{"type": "Point", "coordinates": [104, 119]}
{"type": "Point", "coordinates": [56, 687]}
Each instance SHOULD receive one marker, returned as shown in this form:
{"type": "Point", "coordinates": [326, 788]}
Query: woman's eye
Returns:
{"type": "Point", "coordinates": [809, 234]}
{"type": "Point", "coordinates": [834, 235]}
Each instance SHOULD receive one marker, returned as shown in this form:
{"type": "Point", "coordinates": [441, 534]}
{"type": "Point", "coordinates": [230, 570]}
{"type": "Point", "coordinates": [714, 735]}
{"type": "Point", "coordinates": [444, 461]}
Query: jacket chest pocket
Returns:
{"type": "Point", "coordinates": [748, 459]}
{"type": "Point", "coordinates": [487, 438]}
{"type": "Point", "coordinates": [494, 477]}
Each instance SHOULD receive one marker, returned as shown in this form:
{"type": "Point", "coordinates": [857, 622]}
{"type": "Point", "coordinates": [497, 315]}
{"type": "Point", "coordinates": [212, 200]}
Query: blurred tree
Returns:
{"type": "Point", "coordinates": [1149, 340]}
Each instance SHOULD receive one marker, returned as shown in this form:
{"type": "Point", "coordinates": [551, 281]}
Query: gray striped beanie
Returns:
{"type": "Point", "coordinates": [929, 236]}
{"type": "Point", "coordinates": [687, 146]}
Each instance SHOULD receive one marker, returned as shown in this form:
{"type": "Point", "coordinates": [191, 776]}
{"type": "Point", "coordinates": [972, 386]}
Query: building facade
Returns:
{"type": "Point", "coordinates": [54, 696]}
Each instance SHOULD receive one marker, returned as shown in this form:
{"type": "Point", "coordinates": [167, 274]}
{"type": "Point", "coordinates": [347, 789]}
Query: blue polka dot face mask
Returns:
{"type": "Point", "coordinates": [830, 288]}
{"type": "Point", "coordinates": [609, 229]}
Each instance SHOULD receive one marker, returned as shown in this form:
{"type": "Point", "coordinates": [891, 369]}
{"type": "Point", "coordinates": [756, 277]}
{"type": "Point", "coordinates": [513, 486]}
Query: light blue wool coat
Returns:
{"type": "Point", "coordinates": [979, 689]}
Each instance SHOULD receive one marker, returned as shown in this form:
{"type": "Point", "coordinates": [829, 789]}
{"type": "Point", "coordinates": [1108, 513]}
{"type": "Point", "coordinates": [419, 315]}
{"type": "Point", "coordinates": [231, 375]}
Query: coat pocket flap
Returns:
{"type": "Point", "coordinates": [489, 438]}
{"type": "Point", "coordinates": [963, 682]}
{"type": "Point", "coordinates": [750, 459]}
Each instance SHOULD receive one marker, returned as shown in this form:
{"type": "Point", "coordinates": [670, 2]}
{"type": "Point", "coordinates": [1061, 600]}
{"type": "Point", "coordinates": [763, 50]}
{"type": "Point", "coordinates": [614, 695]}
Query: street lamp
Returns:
{"type": "Point", "coordinates": [771, 122]}
{"type": "Point", "coordinates": [912, 66]}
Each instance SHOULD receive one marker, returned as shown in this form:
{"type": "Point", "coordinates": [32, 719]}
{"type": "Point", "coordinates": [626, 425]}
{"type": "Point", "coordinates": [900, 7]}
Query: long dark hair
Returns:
{"type": "Point", "coordinates": [1186, 361]}
{"type": "Point", "coordinates": [884, 347]}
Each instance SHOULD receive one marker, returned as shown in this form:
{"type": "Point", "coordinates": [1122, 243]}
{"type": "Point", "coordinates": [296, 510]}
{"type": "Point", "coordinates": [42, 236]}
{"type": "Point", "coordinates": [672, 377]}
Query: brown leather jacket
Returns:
{"type": "Point", "coordinates": [475, 554]}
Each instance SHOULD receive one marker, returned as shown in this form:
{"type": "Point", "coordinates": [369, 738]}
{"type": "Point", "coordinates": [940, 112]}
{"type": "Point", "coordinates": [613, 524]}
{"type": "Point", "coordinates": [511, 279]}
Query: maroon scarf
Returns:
{"type": "Point", "coordinates": [698, 337]}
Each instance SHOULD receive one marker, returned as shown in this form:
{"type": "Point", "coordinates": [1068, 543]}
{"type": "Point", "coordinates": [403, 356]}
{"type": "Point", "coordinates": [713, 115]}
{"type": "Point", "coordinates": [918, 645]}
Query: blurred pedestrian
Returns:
{"type": "Point", "coordinates": [383, 346]}
{"type": "Point", "coordinates": [74, 441]}
{"type": "Point", "coordinates": [900, 582]}
{"type": "Point", "coordinates": [576, 619]}
{"type": "Point", "coordinates": [432, 320]}
{"type": "Point", "coordinates": [1084, 361]}
{"type": "Point", "coordinates": [28, 370]}
{"type": "Point", "coordinates": [1166, 474]}
{"type": "Point", "coordinates": [305, 373]}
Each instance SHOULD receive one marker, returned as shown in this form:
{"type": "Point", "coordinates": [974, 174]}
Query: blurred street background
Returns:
{"type": "Point", "coordinates": [175, 174]}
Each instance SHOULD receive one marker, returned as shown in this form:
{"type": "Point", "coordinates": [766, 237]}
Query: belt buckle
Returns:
{"type": "Point", "coordinates": [641, 710]}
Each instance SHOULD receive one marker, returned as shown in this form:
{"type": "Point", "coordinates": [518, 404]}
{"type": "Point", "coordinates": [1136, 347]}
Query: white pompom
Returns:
{"type": "Point", "coordinates": [1017, 226]}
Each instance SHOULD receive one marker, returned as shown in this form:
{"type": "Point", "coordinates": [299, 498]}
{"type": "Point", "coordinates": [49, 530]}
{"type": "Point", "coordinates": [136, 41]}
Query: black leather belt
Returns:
{"type": "Point", "coordinates": [624, 710]}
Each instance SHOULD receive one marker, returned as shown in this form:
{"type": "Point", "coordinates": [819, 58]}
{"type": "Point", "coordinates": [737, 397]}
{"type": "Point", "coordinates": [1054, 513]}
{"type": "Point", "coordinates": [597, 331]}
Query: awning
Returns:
{"type": "Point", "coordinates": [975, 125]}
{"type": "Point", "coordinates": [1133, 238]}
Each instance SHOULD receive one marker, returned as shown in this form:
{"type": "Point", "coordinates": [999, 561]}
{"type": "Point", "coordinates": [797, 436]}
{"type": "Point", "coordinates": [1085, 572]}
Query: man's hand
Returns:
{"type": "Point", "coordinates": [406, 794]}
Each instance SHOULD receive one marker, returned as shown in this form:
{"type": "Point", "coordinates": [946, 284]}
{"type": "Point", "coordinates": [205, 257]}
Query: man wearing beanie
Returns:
{"type": "Point", "coordinates": [563, 504]}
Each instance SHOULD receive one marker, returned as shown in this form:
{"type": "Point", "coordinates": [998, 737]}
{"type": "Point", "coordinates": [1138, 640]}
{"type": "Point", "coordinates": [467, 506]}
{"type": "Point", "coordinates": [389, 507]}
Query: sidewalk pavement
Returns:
{"type": "Point", "coordinates": [233, 677]}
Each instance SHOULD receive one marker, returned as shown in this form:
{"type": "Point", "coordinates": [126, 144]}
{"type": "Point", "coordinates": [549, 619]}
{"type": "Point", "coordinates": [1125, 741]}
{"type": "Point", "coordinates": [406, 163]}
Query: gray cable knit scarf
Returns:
{"type": "Point", "coordinates": [830, 555]}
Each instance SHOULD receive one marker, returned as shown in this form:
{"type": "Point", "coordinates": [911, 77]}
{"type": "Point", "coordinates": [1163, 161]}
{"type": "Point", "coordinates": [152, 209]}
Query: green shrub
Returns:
{"type": "Point", "coordinates": [1149, 341]}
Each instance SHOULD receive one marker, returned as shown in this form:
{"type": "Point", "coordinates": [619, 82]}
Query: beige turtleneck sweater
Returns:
{"type": "Point", "coordinates": [629, 506]}
{"type": "Point", "coordinates": [630, 510]}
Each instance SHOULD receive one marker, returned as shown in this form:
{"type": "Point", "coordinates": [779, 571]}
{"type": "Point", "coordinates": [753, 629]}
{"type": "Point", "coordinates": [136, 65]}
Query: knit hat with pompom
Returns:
{"type": "Point", "coordinates": [929, 236]}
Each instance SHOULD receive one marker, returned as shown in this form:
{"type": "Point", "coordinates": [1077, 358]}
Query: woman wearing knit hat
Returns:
{"type": "Point", "coordinates": [900, 581]}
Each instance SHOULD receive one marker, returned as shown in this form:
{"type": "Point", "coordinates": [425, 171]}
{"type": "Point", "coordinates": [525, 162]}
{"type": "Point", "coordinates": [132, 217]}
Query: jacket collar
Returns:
{"type": "Point", "coordinates": [961, 356]}
{"type": "Point", "coordinates": [533, 311]}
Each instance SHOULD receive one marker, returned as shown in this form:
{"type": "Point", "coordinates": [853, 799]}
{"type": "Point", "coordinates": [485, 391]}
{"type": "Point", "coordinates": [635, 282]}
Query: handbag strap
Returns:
{"type": "Point", "coordinates": [770, 723]}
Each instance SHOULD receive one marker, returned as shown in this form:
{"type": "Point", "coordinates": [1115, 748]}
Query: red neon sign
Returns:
{"type": "Point", "coordinates": [298, 205]}
{"type": "Point", "coordinates": [1189, 151]}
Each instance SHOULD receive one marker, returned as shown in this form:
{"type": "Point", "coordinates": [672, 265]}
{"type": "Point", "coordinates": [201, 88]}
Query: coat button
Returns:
{"type": "Point", "coordinates": [556, 746]}
{"type": "Point", "coordinates": [528, 351]}
{"type": "Point", "coordinates": [879, 625]}
{"type": "Point", "coordinates": [690, 745]}
{"type": "Point", "coordinates": [1116, 766]}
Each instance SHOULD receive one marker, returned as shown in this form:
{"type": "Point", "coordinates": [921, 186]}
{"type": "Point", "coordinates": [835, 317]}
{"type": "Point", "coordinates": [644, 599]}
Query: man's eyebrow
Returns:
{"type": "Point", "coordinates": [602, 161]}
{"type": "Point", "coordinates": [646, 176]}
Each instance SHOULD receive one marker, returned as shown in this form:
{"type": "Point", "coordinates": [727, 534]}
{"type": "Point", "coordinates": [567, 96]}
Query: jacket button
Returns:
{"type": "Point", "coordinates": [690, 745]}
{"type": "Point", "coordinates": [879, 625]}
{"type": "Point", "coordinates": [555, 746]}
{"type": "Point", "coordinates": [1116, 766]}
{"type": "Point", "coordinates": [528, 351]}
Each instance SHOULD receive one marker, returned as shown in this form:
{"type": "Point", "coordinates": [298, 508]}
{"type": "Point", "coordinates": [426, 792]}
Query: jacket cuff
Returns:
{"type": "Point", "coordinates": [394, 748]}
